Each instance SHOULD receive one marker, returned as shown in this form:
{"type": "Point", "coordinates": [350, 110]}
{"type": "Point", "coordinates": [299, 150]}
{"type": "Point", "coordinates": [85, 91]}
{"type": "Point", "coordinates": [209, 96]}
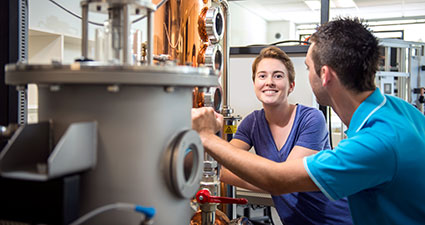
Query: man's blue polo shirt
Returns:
{"type": "Point", "coordinates": [380, 166]}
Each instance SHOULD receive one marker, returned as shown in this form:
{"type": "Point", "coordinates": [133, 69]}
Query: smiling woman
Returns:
{"type": "Point", "coordinates": [271, 82]}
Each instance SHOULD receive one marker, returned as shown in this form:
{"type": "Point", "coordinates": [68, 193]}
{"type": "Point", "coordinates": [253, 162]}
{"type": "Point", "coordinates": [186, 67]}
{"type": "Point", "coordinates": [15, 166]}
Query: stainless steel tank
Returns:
{"type": "Point", "coordinates": [142, 111]}
{"type": "Point", "coordinates": [144, 132]}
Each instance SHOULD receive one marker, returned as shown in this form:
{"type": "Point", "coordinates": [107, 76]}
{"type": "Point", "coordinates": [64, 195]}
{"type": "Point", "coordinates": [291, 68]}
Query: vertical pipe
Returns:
{"type": "Point", "coordinates": [226, 62]}
{"type": "Point", "coordinates": [207, 157]}
{"type": "Point", "coordinates": [208, 218]}
{"type": "Point", "coordinates": [150, 37]}
{"type": "Point", "coordinates": [116, 19]}
{"type": "Point", "coordinates": [409, 70]}
{"type": "Point", "coordinates": [387, 59]}
{"type": "Point", "coordinates": [324, 18]}
{"type": "Point", "coordinates": [84, 29]}
{"type": "Point", "coordinates": [400, 68]}
{"type": "Point", "coordinates": [126, 35]}
{"type": "Point", "coordinates": [401, 81]}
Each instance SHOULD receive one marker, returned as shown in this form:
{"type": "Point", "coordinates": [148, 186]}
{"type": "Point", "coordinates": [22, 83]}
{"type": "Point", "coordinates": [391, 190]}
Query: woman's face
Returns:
{"type": "Point", "coordinates": [271, 83]}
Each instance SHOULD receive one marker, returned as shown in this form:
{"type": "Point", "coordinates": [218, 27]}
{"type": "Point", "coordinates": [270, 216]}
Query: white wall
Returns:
{"type": "Point", "coordinates": [286, 29]}
{"type": "Point", "coordinates": [46, 16]}
{"type": "Point", "coordinates": [412, 32]}
{"type": "Point", "coordinates": [246, 28]}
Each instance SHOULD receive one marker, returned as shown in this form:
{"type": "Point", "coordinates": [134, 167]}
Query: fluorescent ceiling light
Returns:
{"type": "Point", "coordinates": [345, 4]}
{"type": "Point", "coordinates": [315, 4]}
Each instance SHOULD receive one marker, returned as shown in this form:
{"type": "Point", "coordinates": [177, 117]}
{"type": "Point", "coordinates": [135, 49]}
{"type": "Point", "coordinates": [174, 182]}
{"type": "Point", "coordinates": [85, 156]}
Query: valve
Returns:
{"type": "Point", "coordinates": [204, 196]}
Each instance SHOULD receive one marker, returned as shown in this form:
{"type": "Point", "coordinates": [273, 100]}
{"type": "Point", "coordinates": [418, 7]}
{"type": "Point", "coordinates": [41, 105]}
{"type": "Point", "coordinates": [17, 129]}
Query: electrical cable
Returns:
{"type": "Point", "coordinates": [157, 7]}
{"type": "Point", "coordinates": [68, 11]}
{"type": "Point", "coordinates": [279, 42]}
{"type": "Point", "coordinates": [289, 41]}
{"type": "Point", "coordinates": [149, 212]}
{"type": "Point", "coordinates": [100, 24]}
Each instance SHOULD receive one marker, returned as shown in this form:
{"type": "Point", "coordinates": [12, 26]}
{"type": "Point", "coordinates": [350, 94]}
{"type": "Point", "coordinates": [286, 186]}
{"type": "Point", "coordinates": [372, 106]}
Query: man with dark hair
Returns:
{"type": "Point", "coordinates": [355, 60]}
{"type": "Point", "coordinates": [379, 167]}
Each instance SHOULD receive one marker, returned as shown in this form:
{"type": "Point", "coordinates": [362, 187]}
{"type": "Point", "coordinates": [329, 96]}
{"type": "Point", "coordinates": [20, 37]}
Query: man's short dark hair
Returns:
{"type": "Point", "coordinates": [348, 47]}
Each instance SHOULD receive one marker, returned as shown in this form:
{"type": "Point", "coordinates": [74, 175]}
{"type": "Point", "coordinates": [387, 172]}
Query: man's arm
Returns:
{"type": "Point", "coordinates": [275, 178]}
{"type": "Point", "coordinates": [228, 177]}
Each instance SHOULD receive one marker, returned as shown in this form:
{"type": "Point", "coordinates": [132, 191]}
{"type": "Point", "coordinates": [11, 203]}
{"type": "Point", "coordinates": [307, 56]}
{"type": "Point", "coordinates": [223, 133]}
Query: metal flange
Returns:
{"type": "Point", "coordinates": [214, 24]}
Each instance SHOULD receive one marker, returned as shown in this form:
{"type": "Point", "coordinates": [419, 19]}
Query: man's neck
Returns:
{"type": "Point", "coordinates": [346, 102]}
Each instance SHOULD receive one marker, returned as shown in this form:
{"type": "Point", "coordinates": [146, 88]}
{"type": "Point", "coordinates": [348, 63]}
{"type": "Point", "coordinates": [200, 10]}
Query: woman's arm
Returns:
{"type": "Point", "coordinates": [299, 152]}
{"type": "Point", "coordinates": [312, 137]}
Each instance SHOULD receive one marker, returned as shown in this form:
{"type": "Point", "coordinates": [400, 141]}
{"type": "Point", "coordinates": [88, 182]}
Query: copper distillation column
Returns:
{"type": "Point", "coordinates": [197, 33]}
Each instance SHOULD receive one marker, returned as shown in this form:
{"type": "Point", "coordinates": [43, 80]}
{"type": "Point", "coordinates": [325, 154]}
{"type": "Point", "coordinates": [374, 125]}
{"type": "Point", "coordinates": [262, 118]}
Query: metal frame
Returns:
{"type": "Point", "coordinates": [14, 20]}
{"type": "Point", "coordinates": [404, 69]}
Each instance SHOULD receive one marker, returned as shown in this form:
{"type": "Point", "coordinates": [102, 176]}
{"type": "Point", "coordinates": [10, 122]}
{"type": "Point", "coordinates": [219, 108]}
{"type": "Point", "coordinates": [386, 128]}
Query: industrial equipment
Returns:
{"type": "Point", "coordinates": [401, 70]}
{"type": "Point", "coordinates": [197, 33]}
{"type": "Point", "coordinates": [136, 112]}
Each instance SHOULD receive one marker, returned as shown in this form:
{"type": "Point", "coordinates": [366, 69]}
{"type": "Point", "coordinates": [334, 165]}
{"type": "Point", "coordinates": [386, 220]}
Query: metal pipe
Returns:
{"type": "Point", "coordinates": [116, 32]}
{"type": "Point", "coordinates": [402, 81]}
{"type": "Point", "coordinates": [226, 62]}
{"type": "Point", "coordinates": [208, 218]}
{"type": "Point", "coordinates": [227, 111]}
{"type": "Point", "coordinates": [84, 29]}
{"type": "Point", "coordinates": [126, 35]}
{"type": "Point", "coordinates": [150, 37]}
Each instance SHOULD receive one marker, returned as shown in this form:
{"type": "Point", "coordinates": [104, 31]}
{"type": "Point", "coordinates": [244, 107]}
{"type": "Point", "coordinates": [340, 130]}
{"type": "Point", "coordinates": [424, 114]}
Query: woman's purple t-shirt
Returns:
{"type": "Point", "coordinates": [309, 131]}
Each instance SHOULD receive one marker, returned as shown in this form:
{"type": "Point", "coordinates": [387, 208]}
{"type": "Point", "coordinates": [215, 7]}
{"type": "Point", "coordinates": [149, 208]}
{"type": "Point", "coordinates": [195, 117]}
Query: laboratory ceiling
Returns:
{"type": "Point", "coordinates": [308, 11]}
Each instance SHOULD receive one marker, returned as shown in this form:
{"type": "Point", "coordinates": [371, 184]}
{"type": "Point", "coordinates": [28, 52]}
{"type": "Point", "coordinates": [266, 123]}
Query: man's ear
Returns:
{"type": "Point", "coordinates": [327, 74]}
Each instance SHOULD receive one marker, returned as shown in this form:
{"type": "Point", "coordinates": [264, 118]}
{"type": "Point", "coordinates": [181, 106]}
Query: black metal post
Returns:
{"type": "Point", "coordinates": [324, 18]}
{"type": "Point", "coordinates": [324, 11]}
{"type": "Point", "coordinates": [13, 45]}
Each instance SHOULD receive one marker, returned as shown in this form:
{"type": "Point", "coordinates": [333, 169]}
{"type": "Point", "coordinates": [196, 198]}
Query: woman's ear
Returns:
{"type": "Point", "coordinates": [291, 87]}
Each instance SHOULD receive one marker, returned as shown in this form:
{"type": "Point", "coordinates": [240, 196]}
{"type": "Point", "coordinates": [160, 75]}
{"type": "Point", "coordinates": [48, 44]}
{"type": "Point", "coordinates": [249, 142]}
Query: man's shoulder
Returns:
{"type": "Point", "coordinates": [398, 110]}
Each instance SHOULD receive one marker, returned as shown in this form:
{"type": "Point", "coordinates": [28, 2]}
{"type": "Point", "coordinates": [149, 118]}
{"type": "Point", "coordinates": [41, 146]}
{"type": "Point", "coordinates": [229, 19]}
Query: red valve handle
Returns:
{"type": "Point", "coordinates": [204, 196]}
